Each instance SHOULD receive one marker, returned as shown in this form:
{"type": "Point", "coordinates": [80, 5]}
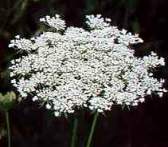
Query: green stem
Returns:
{"type": "Point", "coordinates": [8, 128]}
{"type": "Point", "coordinates": [74, 132]}
{"type": "Point", "coordinates": [92, 129]}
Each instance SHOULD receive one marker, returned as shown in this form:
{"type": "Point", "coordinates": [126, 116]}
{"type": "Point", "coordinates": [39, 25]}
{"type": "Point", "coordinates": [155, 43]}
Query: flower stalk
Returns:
{"type": "Point", "coordinates": [8, 128]}
{"type": "Point", "coordinates": [92, 129]}
{"type": "Point", "coordinates": [7, 101]}
{"type": "Point", "coordinates": [74, 132]}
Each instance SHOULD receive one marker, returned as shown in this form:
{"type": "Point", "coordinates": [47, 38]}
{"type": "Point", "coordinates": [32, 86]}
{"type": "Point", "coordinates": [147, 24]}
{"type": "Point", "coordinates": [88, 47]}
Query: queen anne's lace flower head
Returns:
{"type": "Point", "coordinates": [74, 68]}
{"type": "Point", "coordinates": [55, 22]}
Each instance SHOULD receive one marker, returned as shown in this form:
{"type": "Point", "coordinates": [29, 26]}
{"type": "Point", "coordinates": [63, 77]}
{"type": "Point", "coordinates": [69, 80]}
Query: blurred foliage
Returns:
{"type": "Point", "coordinates": [7, 101]}
{"type": "Point", "coordinates": [13, 13]}
{"type": "Point", "coordinates": [2, 132]}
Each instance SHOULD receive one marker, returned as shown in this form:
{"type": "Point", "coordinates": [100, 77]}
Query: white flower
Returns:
{"type": "Point", "coordinates": [78, 68]}
{"type": "Point", "coordinates": [55, 22]}
{"type": "Point", "coordinates": [48, 106]}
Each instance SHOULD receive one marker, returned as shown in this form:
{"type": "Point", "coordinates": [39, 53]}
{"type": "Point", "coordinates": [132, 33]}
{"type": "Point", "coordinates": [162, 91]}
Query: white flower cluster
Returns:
{"type": "Point", "coordinates": [77, 68]}
{"type": "Point", "coordinates": [55, 22]}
